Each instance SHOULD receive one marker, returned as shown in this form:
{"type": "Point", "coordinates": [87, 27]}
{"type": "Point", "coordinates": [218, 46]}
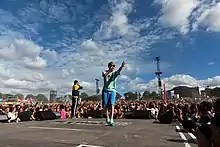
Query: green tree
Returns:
{"type": "Point", "coordinates": [68, 96]}
{"type": "Point", "coordinates": [9, 95]}
{"type": "Point", "coordinates": [41, 97]}
{"type": "Point", "coordinates": [83, 95]}
{"type": "Point", "coordinates": [19, 95]}
{"type": "Point", "coordinates": [60, 99]}
{"type": "Point", "coordinates": [93, 98]}
{"type": "Point", "coordinates": [130, 96]}
{"type": "Point", "coordinates": [146, 95]}
{"type": "Point", "coordinates": [153, 94]}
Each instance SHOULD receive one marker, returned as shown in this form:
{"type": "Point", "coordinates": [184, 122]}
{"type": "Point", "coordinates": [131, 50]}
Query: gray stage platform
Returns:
{"type": "Point", "coordinates": [85, 132]}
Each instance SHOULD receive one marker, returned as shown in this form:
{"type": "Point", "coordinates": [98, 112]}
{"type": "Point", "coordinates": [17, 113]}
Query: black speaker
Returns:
{"type": "Point", "coordinates": [57, 114]}
{"type": "Point", "coordinates": [45, 115]}
{"type": "Point", "coordinates": [141, 114]}
{"type": "Point", "coordinates": [3, 118]}
{"type": "Point", "coordinates": [95, 114]}
{"type": "Point", "coordinates": [166, 118]}
{"type": "Point", "coordinates": [128, 115]}
{"type": "Point", "coordinates": [25, 116]}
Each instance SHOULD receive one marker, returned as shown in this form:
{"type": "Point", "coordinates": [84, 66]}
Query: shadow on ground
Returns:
{"type": "Point", "coordinates": [182, 141]}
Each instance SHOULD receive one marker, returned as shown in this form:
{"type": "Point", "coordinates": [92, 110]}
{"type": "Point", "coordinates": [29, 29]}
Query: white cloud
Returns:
{"type": "Point", "coordinates": [138, 85]}
{"type": "Point", "coordinates": [209, 17]}
{"type": "Point", "coordinates": [89, 45]}
{"type": "Point", "coordinates": [91, 48]}
{"type": "Point", "coordinates": [117, 24]}
{"type": "Point", "coordinates": [19, 60]}
{"type": "Point", "coordinates": [89, 86]}
{"type": "Point", "coordinates": [211, 63]}
{"type": "Point", "coordinates": [20, 50]}
{"type": "Point", "coordinates": [32, 77]}
{"type": "Point", "coordinates": [36, 63]}
{"type": "Point", "coordinates": [36, 77]}
{"type": "Point", "coordinates": [13, 83]}
{"type": "Point", "coordinates": [185, 15]}
{"type": "Point", "coordinates": [133, 83]}
{"type": "Point", "coordinates": [4, 72]}
{"type": "Point", "coordinates": [67, 72]}
{"type": "Point", "coordinates": [212, 82]}
{"type": "Point", "coordinates": [176, 13]}
{"type": "Point", "coordinates": [14, 48]}
{"type": "Point", "coordinates": [51, 54]}
{"type": "Point", "coordinates": [124, 78]}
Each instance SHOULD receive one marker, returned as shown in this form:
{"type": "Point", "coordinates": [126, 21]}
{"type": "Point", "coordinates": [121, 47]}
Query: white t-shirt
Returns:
{"type": "Point", "coordinates": [11, 115]}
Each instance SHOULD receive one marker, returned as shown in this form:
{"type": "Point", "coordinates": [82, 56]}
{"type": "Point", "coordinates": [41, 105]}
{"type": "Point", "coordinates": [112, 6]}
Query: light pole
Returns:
{"type": "Point", "coordinates": [97, 86]}
{"type": "Point", "coordinates": [158, 74]}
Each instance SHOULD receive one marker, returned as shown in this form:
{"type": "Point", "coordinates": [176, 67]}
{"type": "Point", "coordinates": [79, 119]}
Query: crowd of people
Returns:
{"type": "Point", "coordinates": [178, 108]}
{"type": "Point", "coordinates": [198, 110]}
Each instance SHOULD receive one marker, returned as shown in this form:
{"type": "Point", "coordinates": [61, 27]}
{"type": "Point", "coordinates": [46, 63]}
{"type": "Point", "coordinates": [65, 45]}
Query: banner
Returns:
{"type": "Point", "coordinates": [172, 95]}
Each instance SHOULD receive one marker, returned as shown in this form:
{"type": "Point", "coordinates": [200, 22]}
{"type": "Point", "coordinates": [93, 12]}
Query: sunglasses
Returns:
{"type": "Point", "coordinates": [113, 65]}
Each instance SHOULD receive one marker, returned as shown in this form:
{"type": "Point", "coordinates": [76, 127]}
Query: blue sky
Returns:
{"type": "Point", "coordinates": [47, 44]}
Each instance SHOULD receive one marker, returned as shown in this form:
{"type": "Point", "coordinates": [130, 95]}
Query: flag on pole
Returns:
{"type": "Point", "coordinates": [165, 93]}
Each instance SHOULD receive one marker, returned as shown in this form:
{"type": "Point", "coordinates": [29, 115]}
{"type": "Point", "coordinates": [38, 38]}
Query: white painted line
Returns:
{"type": "Point", "coordinates": [192, 136]}
{"type": "Point", "coordinates": [62, 129]}
{"type": "Point", "coordinates": [183, 137]}
{"type": "Point", "coordinates": [84, 145]}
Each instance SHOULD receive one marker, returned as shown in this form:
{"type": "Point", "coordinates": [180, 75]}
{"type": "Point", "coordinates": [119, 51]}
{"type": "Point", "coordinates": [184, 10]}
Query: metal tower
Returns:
{"type": "Point", "coordinates": [158, 74]}
{"type": "Point", "coordinates": [97, 86]}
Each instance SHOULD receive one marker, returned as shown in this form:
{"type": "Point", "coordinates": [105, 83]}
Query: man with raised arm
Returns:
{"type": "Point", "coordinates": [109, 90]}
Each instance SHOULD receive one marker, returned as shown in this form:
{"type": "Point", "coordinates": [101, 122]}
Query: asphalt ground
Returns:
{"type": "Point", "coordinates": [92, 133]}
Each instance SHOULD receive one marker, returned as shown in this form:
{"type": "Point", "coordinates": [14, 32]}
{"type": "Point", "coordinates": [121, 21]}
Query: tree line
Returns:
{"type": "Point", "coordinates": [128, 96]}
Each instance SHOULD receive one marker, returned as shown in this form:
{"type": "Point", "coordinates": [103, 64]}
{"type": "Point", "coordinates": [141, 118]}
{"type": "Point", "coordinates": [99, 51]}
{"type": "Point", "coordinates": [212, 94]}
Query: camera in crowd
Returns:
{"type": "Point", "coordinates": [206, 121]}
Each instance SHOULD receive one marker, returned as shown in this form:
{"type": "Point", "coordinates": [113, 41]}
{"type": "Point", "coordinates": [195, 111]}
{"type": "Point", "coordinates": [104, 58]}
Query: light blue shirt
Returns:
{"type": "Point", "coordinates": [110, 81]}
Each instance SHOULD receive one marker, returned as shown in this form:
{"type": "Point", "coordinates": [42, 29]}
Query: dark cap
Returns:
{"type": "Point", "coordinates": [76, 81]}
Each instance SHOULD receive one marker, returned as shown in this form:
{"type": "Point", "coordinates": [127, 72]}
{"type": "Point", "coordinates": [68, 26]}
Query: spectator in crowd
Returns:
{"type": "Point", "coordinates": [63, 112]}
{"type": "Point", "coordinates": [11, 114]}
{"type": "Point", "coordinates": [214, 140]}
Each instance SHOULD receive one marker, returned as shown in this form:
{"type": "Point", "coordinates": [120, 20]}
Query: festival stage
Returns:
{"type": "Point", "coordinates": [91, 133]}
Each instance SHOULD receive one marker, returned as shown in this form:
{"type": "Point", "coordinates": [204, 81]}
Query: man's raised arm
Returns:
{"type": "Point", "coordinates": [80, 87]}
{"type": "Point", "coordinates": [121, 67]}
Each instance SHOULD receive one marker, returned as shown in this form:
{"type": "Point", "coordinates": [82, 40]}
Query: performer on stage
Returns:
{"type": "Point", "coordinates": [75, 97]}
{"type": "Point", "coordinates": [109, 90]}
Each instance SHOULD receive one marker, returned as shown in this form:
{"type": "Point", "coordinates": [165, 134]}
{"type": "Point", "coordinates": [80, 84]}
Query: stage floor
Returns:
{"type": "Point", "coordinates": [92, 133]}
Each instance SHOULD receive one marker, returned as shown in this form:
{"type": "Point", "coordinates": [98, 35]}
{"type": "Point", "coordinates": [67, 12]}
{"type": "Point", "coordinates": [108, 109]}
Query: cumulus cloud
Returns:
{"type": "Point", "coordinates": [117, 24]}
{"type": "Point", "coordinates": [137, 84]}
{"type": "Point", "coordinates": [36, 63]}
{"type": "Point", "coordinates": [124, 78]}
{"type": "Point", "coordinates": [176, 13]}
{"type": "Point", "coordinates": [13, 83]}
{"type": "Point", "coordinates": [187, 15]}
{"type": "Point", "coordinates": [50, 54]}
{"type": "Point", "coordinates": [209, 17]}
{"type": "Point", "coordinates": [211, 63]}
{"type": "Point", "coordinates": [15, 48]}
{"type": "Point", "coordinates": [20, 58]}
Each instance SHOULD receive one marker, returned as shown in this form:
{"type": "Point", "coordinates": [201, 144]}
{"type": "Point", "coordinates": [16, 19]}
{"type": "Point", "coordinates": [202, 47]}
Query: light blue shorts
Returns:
{"type": "Point", "coordinates": [108, 98]}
